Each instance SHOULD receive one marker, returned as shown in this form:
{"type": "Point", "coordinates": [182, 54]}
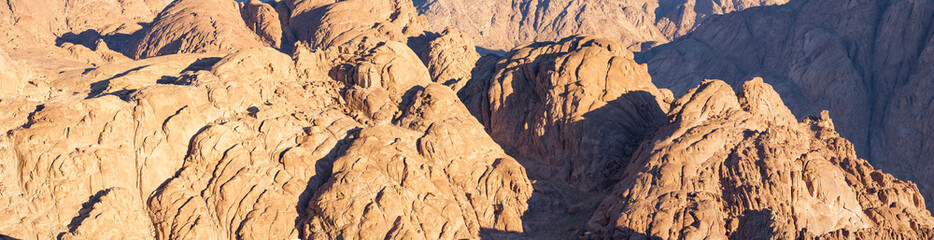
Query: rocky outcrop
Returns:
{"type": "Point", "coordinates": [322, 24]}
{"type": "Point", "coordinates": [257, 144]}
{"type": "Point", "coordinates": [307, 119]}
{"type": "Point", "coordinates": [500, 25]}
{"type": "Point", "coordinates": [450, 58]}
{"type": "Point", "coordinates": [576, 109]}
{"type": "Point", "coordinates": [195, 26]}
{"type": "Point", "coordinates": [57, 35]}
{"type": "Point", "coordinates": [27, 22]}
{"type": "Point", "coordinates": [742, 167]}
{"type": "Point", "coordinates": [13, 75]}
{"type": "Point", "coordinates": [864, 62]}
{"type": "Point", "coordinates": [265, 21]}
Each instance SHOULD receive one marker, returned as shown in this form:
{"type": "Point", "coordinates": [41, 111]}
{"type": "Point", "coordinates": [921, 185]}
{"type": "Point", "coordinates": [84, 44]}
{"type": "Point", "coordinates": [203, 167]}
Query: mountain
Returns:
{"type": "Point", "coordinates": [867, 62]}
{"type": "Point", "coordinates": [503, 25]}
{"type": "Point", "coordinates": [354, 120]}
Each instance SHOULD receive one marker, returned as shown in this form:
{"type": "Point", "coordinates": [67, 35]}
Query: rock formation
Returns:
{"type": "Point", "coordinates": [198, 26]}
{"type": "Point", "coordinates": [323, 24]}
{"type": "Point", "coordinates": [56, 35]}
{"type": "Point", "coordinates": [348, 120]}
{"type": "Point", "coordinates": [576, 108]}
{"type": "Point", "coordinates": [498, 25]}
{"type": "Point", "coordinates": [866, 62]}
{"type": "Point", "coordinates": [451, 58]}
{"type": "Point", "coordinates": [257, 144]}
{"type": "Point", "coordinates": [740, 166]}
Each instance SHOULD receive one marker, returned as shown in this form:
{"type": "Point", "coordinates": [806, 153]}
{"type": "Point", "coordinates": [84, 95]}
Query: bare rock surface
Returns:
{"type": "Point", "coordinates": [867, 62]}
{"type": "Point", "coordinates": [56, 35]}
{"type": "Point", "coordinates": [257, 144]}
{"type": "Point", "coordinates": [740, 166]}
{"type": "Point", "coordinates": [502, 25]}
{"type": "Point", "coordinates": [576, 108]}
{"type": "Point", "coordinates": [451, 58]}
{"type": "Point", "coordinates": [197, 26]}
{"type": "Point", "coordinates": [311, 119]}
{"type": "Point", "coordinates": [322, 24]}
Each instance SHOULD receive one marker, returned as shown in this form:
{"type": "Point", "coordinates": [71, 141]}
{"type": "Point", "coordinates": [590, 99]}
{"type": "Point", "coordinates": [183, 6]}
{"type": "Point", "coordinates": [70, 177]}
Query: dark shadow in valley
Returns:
{"type": "Point", "coordinates": [323, 170]}
{"type": "Point", "coordinates": [85, 211]}
{"type": "Point", "coordinates": [484, 51]}
{"type": "Point", "coordinates": [752, 224]}
{"type": "Point", "coordinates": [5, 237]}
{"type": "Point", "coordinates": [118, 42]}
{"type": "Point", "coordinates": [560, 210]}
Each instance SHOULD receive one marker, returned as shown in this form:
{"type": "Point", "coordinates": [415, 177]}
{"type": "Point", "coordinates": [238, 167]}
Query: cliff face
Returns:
{"type": "Point", "coordinates": [259, 144]}
{"type": "Point", "coordinates": [740, 166]}
{"type": "Point", "coordinates": [867, 62]}
{"type": "Point", "coordinates": [502, 25]}
{"type": "Point", "coordinates": [348, 119]}
{"type": "Point", "coordinates": [577, 108]}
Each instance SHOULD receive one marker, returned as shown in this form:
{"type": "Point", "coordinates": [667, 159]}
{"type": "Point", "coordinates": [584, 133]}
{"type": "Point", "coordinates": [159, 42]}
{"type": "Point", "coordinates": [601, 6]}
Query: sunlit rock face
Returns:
{"type": "Point", "coordinates": [867, 62]}
{"type": "Point", "coordinates": [308, 119]}
{"type": "Point", "coordinates": [503, 25]}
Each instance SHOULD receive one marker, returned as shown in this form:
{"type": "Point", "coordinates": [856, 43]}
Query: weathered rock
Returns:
{"type": "Point", "coordinates": [197, 26]}
{"type": "Point", "coordinates": [264, 20]}
{"type": "Point", "coordinates": [117, 205]}
{"type": "Point", "coordinates": [742, 167]}
{"type": "Point", "coordinates": [354, 135]}
{"type": "Point", "coordinates": [30, 31]}
{"type": "Point", "coordinates": [323, 24]}
{"type": "Point", "coordinates": [13, 76]}
{"type": "Point", "coordinates": [866, 62]}
{"type": "Point", "coordinates": [450, 58]}
{"type": "Point", "coordinates": [576, 109]}
{"type": "Point", "coordinates": [498, 25]}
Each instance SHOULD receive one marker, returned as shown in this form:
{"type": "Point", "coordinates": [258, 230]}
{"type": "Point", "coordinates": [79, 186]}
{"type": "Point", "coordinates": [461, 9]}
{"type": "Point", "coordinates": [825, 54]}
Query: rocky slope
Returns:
{"type": "Point", "coordinates": [170, 141]}
{"type": "Point", "coordinates": [740, 166]}
{"type": "Point", "coordinates": [196, 26]}
{"type": "Point", "coordinates": [56, 35]}
{"type": "Point", "coordinates": [502, 25]}
{"type": "Point", "coordinates": [576, 108]}
{"type": "Point", "coordinates": [348, 120]}
{"type": "Point", "coordinates": [868, 62]}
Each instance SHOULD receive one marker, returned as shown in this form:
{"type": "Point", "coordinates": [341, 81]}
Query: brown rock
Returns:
{"type": "Point", "coordinates": [498, 25]}
{"type": "Point", "coordinates": [197, 26]}
{"type": "Point", "coordinates": [450, 58]}
{"type": "Point", "coordinates": [264, 20]}
{"type": "Point", "coordinates": [117, 205]}
{"type": "Point", "coordinates": [865, 61]}
{"type": "Point", "coordinates": [30, 31]}
{"type": "Point", "coordinates": [322, 24]}
{"type": "Point", "coordinates": [354, 135]}
{"type": "Point", "coordinates": [742, 167]}
{"type": "Point", "coordinates": [576, 109]}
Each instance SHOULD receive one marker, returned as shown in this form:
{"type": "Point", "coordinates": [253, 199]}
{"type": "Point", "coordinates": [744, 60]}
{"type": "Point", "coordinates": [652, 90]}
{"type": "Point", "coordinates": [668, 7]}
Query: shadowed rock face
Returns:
{"type": "Point", "coordinates": [257, 144]}
{"type": "Point", "coordinates": [502, 25]}
{"type": "Point", "coordinates": [322, 24]}
{"type": "Point", "coordinates": [866, 62]}
{"type": "Point", "coordinates": [347, 120]}
{"type": "Point", "coordinates": [56, 35]}
{"type": "Point", "coordinates": [196, 26]}
{"type": "Point", "coordinates": [576, 109]}
{"type": "Point", "coordinates": [741, 167]}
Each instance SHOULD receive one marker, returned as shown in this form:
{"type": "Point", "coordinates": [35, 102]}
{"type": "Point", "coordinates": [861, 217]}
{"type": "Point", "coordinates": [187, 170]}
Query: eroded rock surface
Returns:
{"type": "Point", "coordinates": [323, 24]}
{"type": "Point", "coordinates": [502, 25]}
{"type": "Point", "coordinates": [258, 144]}
{"type": "Point", "coordinates": [576, 109]}
{"type": "Point", "coordinates": [867, 62]}
{"type": "Point", "coordinates": [346, 119]}
{"type": "Point", "coordinates": [196, 26]}
{"type": "Point", "coordinates": [740, 166]}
